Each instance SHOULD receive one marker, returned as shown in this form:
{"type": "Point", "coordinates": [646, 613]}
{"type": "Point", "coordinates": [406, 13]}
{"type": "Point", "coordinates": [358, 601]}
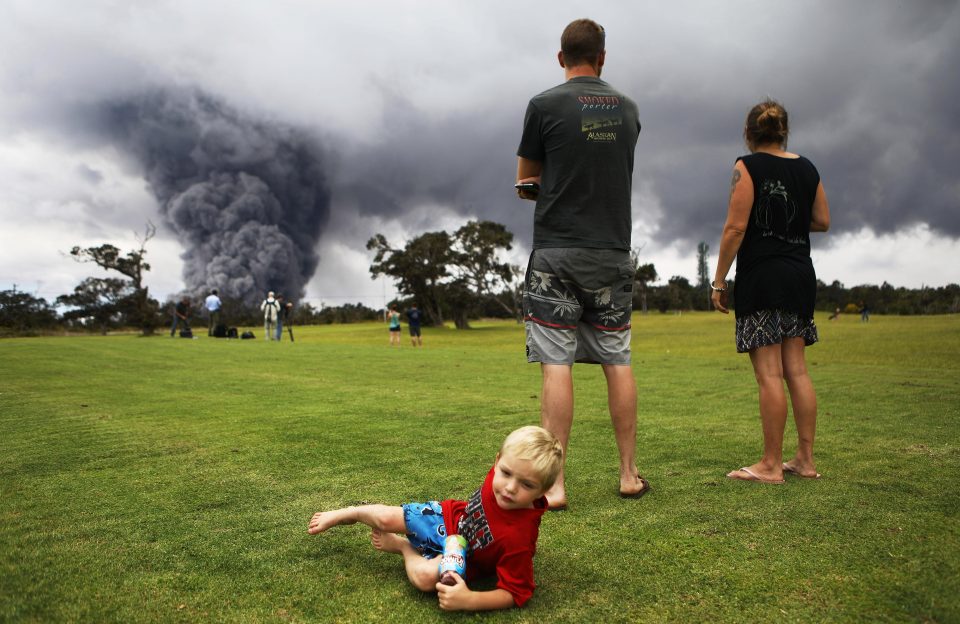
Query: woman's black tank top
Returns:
{"type": "Point", "coordinates": [774, 270]}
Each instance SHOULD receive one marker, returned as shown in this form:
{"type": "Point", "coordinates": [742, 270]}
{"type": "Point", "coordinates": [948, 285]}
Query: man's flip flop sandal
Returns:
{"type": "Point", "coordinates": [643, 490]}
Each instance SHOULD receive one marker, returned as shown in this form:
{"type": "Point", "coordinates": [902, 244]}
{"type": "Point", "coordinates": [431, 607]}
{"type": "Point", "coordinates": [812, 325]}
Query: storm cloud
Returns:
{"type": "Point", "coordinates": [870, 88]}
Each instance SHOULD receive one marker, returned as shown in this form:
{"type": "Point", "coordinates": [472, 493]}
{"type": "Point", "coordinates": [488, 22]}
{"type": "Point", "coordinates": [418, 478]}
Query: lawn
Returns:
{"type": "Point", "coordinates": [171, 480]}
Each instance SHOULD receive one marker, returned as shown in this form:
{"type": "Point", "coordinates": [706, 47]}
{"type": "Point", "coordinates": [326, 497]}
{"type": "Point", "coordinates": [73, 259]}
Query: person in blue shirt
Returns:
{"type": "Point", "coordinates": [414, 316]}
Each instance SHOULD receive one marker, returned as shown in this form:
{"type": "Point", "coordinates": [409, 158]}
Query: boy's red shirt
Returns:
{"type": "Point", "coordinates": [499, 541]}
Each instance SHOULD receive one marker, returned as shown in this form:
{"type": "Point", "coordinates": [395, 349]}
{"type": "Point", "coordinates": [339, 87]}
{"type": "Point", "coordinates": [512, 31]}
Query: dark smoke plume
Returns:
{"type": "Point", "coordinates": [247, 198]}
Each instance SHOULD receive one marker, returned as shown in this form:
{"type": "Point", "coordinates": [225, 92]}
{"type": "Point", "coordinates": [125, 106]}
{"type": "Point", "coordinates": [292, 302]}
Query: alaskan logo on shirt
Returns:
{"type": "Point", "coordinates": [600, 116]}
{"type": "Point", "coordinates": [474, 526]}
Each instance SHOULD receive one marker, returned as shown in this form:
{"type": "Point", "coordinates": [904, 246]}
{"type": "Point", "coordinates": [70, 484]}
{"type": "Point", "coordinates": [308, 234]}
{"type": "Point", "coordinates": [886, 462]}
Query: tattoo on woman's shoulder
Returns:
{"type": "Point", "coordinates": [733, 181]}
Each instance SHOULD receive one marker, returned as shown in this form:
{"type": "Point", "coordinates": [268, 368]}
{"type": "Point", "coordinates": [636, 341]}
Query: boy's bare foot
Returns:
{"type": "Point", "coordinates": [323, 520]}
{"type": "Point", "coordinates": [387, 542]}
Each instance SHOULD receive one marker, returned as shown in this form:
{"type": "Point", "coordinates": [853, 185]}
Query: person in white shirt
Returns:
{"type": "Point", "coordinates": [271, 314]}
{"type": "Point", "coordinates": [213, 304]}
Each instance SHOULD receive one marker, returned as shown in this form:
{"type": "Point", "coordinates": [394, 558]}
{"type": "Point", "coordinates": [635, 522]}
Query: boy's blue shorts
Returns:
{"type": "Point", "coordinates": [425, 528]}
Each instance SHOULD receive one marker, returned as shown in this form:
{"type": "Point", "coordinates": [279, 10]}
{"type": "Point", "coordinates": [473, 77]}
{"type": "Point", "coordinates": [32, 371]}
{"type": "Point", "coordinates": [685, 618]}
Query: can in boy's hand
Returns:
{"type": "Point", "coordinates": [454, 559]}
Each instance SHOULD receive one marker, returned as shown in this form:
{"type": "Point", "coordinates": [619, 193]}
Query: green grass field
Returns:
{"type": "Point", "coordinates": [160, 480]}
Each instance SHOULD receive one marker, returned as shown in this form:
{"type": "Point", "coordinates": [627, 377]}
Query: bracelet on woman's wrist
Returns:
{"type": "Point", "coordinates": [723, 288]}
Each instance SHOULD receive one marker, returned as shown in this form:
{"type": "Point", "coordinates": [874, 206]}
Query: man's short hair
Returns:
{"type": "Point", "coordinates": [582, 42]}
{"type": "Point", "coordinates": [539, 447]}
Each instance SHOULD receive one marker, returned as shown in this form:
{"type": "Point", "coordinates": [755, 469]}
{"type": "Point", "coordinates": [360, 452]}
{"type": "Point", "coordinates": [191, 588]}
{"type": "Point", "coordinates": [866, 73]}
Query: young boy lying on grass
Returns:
{"type": "Point", "coordinates": [500, 522]}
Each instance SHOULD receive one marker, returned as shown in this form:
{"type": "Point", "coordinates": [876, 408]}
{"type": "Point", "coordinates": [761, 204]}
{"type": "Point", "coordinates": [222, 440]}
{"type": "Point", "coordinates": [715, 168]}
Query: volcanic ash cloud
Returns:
{"type": "Point", "coordinates": [248, 199]}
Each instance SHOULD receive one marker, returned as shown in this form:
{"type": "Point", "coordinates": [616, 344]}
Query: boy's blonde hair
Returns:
{"type": "Point", "coordinates": [539, 447]}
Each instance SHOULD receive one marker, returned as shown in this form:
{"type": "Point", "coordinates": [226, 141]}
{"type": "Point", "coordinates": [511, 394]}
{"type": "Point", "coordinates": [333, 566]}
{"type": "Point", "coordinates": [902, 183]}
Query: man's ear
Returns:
{"type": "Point", "coordinates": [560, 59]}
{"type": "Point", "coordinates": [601, 58]}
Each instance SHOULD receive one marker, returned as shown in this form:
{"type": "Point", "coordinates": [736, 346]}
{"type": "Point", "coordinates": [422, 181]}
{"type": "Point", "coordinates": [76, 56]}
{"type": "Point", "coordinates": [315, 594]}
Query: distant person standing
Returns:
{"type": "Point", "coordinates": [271, 315]}
{"type": "Point", "coordinates": [414, 316]}
{"type": "Point", "coordinates": [394, 317]}
{"type": "Point", "coordinates": [213, 304]}
{"type": "Point", "coordinates": [864, 312]}
{"type": "Point", "coordinates": [578, 146]}
{"type": "Point", "coordinates": [776, 200]}
{"type": "Point", "coordinates": [286, 319]}
{"type": "Point", "coordinates": [181, 316]}
{"type": "Point", "coordinates": [280, 311]}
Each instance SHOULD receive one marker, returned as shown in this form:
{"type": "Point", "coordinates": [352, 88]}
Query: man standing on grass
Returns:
{"type": "Point", "coordinates": [281, 308]}
{"type": "Point", "coordinates": [414, 316]}
{"type": "Point", "coordinates": [271, 314]}
{"type": "Point", "coordinates": [181, 316]}
{"type": "Point", "coordinates": [577, 145]}
{"type": "Point", "coordinates": [285, 319]}
{"type": "Point", "coordinates": [213, 304]}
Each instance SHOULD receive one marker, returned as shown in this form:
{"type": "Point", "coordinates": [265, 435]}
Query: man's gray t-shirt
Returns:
{"type": "Point", "coordinates": [584, 132]}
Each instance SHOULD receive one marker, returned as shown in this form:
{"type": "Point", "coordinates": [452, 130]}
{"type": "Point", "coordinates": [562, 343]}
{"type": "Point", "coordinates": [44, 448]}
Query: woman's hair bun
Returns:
{"type": "Point", "coordinates": [766, 123]}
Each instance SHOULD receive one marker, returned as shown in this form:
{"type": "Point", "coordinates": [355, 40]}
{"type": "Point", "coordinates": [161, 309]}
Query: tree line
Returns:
{"type": "Point", "coordinates": [679, 294]}
{"type": "Point", "coordinates": [455, 277]}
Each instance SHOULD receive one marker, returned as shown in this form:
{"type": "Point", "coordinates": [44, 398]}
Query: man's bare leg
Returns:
{"type": "Point", "coordinates": [423, 573]}
{"type": "Point", "coordinates": [556, 416]}
{"type": "Point", "coordinates": [383, 517]}
{"type": "Point", "coordinates": [622, 401]}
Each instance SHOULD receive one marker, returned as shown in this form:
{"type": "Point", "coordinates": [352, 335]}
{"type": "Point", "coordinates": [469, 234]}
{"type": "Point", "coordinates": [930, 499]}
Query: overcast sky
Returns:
{"type": "Point", "coordinates": [413, 111]}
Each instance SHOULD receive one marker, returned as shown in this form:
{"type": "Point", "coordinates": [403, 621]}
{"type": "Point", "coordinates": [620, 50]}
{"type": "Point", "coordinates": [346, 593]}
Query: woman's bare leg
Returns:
{"type": "Point", "coordinates": [768, 370]}
{"type": "Point", "coordinates": [804, 401]}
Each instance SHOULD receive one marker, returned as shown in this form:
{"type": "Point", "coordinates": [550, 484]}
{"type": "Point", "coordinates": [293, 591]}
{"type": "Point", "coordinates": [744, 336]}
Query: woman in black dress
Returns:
{"type": "Point", "coordinates": [776, 200]}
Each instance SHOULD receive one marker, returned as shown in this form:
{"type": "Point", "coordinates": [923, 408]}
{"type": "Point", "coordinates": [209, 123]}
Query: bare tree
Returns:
{"type": "Point", "coordinates": [133, 266]}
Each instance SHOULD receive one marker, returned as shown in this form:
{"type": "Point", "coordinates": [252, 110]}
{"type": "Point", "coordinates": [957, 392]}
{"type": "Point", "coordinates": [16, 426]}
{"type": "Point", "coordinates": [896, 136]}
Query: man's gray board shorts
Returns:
{"type": "Point", "coordinates": [577, 304]}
